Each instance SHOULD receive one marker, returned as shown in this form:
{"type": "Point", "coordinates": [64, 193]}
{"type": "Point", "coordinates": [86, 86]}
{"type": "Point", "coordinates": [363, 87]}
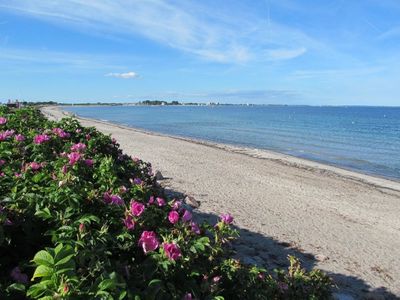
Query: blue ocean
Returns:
{"type": "Point", "coordinates": [364, 139]}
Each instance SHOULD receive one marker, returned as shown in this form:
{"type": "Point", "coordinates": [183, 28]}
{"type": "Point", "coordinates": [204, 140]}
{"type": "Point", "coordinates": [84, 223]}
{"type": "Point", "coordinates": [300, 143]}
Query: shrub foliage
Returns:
{"type": "Point", "coordinates": [81, 220]}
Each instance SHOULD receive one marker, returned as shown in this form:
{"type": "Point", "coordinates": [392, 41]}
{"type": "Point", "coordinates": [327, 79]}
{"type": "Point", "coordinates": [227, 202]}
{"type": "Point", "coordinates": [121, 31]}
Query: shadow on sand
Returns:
{"type": "Point", "coordinates": [267, 252]}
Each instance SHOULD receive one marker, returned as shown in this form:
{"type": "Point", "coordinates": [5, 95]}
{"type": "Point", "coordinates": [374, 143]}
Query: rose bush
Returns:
{"type": "Point", "coordinates": [81, 220]}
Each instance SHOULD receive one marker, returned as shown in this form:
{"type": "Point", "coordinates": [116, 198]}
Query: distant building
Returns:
{"type": "Point", "coordinates": [15, 104]}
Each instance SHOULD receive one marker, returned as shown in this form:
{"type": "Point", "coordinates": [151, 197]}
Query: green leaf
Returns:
{"type": "Point", "coordinates": [18, 287]}
{"type": "Point", "coordinates": [194, 274]}
{"type": "Point", "coordinates": [107, 284]}
{"type": "Point", "coordinates": [58, 248]}
{"type": "Point", "coordinates": [204, 240]}
{"type": "Point", "coordinates": [62, 251]}
{"type": "Point", "coordinates": [200, 246]}
{"type": "Point", "coordinates": [64, 270]}
{"type": "Point", "coordinates": [106, 295]}
{"type": "Point", "coordinates": [122, 295]}
{"type": "Point", "coordinates": [42, 271]}
{"type": "Point", "coordinates": [88, 219]}
{"type": "Point", "coordinates": [44, 213]}
{"type": "Point", "coordinates": [153, 288]}
{"type": "Point", "coordinates": [155, 282]}
{"type": "Point", "coordinates": [38, 177]}
{"type": "Point", "coordinates": [43, 258]}
{"type": "Point", "coordinates": [64, 260]}
{"type": "Point", "coordinates": [36, 290]}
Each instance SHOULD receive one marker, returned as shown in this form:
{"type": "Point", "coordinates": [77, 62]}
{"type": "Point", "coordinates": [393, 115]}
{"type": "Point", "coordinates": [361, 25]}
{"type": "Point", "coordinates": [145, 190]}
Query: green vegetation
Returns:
{"type": "Point", "coordinates": [158, 102]}
{"type": "Point", "coordinates": [81, 220]}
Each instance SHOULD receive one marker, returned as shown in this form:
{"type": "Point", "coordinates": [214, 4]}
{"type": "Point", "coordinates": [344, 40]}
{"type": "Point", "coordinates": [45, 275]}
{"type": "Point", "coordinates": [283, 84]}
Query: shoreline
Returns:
{"type": "Point", "coordinates": [343, 222]}
{"type": "Point", "coordinates": [285, 159]}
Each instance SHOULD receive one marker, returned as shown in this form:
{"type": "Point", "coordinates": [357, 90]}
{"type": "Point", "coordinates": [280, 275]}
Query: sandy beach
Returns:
{"type": "Point", "coordinates": [342, 222]}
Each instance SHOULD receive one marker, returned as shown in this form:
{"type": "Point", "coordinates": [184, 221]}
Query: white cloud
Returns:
{"type": "Point", "coordinates": [354, 72]}
{"type": "Point", "coordinates": [212, 34]}
{"type": "Point", "coordinates": [283, 54]}
{"type": "Point", "coordinates": [127, 75]}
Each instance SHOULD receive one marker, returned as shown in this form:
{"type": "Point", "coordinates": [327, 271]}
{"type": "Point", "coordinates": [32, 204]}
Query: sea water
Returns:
{"type": "Point", "coordinates": [364, 139]}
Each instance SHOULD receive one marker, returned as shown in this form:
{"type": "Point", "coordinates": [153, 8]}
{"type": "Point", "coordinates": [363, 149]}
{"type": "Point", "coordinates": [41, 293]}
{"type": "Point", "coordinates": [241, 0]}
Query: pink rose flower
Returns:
{"type": "Point", "coordinates": [137, 208]}
{"type": "Point", "coordinates": [216, 279]}
{"type": "Point", "coordinates": [80, 147]}
{"type": "Point", "coordinates": [187, 296]}
{"type": "Point", "coordinates": [107, 197]}
{"type": "Point", "coordinates": [137, 181]}
{"type": "Point", "coordinates": [73, 158]}
{"type": "Point", "coordinates": [112, 199]}
{"type": "Point", "coordinates": [129, 222]}
{"type": "Point", "coordinates": [61, 133]}
{"type": "Point", "coordinates": [88, 137]}
{"type": "Point", "coordinates": [176, 205]}
{"type": "Point", "coordinates": [187, 216]}
{"type": "Point", "coordinates": [160, 201]}
{"type": "Point", "coordinates": [117, 200]}
{"type": "Point", "coordinates": [2, 162]}
{"type": "Point", "coordinates": [41, 138]}
{"type": "Point", "coordinates": [195, 228]}
{"type": "Point", "coordinates": [6, 134]}
{"type": "Point", "coordinates": [19, 138]}
{"type": "Point", "coordinates": [173, 217]}
{"type": "Point", "coordinates": [89, 162]}
{"type": "Point", "coordinates": [151, 200]}
{"type": "Point", "coordinates": [148, 241]}
{"type": "Point", "coordinates": [172, 251]}
{"type": "Point", "coordinates": [35, 166]}
{"type": "Point", "coordinates": [3, 120]}
{"type": "Point", "coordinates": [64, 169]}
{"type": "Point", "coordinates": [226, 218]}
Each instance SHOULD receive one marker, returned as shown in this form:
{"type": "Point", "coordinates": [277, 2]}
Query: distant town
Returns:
{"type": "Point", "coordinates": [17, 103]}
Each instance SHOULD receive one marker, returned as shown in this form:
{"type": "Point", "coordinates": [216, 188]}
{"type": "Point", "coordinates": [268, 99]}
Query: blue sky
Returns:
{"type": "Point", "coordinates": [329, 52]}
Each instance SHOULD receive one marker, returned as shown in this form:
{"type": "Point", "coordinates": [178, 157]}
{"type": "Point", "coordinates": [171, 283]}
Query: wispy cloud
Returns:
{"type": "Point", "coordinates": [32, 60]}
{"type": "Point", "coordinates": [283, 54]}
{"type": "Point", "coordinates": [337, 73]}
{"type": "Point", "coordinates": [127, 75]}
{"type": "Point", "coordinates": [181, 25]}
{"type": "Point", "coordinates": [391, 33]}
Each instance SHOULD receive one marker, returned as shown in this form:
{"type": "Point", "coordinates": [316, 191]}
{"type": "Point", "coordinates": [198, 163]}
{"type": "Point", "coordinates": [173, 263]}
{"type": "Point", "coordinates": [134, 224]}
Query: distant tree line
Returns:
{"type": "Point", "coordinates": [159, 102]}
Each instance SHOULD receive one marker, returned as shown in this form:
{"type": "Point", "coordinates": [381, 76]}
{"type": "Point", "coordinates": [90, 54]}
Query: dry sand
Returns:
{"type": "Point", "coordinates": [342, 222]}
